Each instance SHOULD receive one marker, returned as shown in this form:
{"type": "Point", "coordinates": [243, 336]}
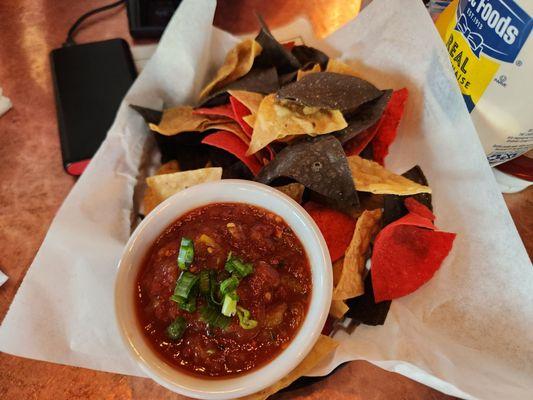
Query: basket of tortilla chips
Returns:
{"type": "Point", "coordinates": [291, 117]}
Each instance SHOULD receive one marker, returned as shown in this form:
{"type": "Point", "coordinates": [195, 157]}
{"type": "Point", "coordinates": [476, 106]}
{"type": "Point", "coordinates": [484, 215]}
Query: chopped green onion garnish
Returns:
{"type": "Point", "coordinates": [238, 267]}
{"type": "Point", "coordinates": [185, 284]}
{"type": "Point", "coordinates": [211, 315]}
{"type": "Point", "coordinates": [229, 306]}
{"type": "Point", "coordinates": [186, 253]}
{"type": "Point", "coordinates": [188, 305]}
{"type": "Point", "coordinates": [244, 318]}
{"type": "Point", "coordinates": [213, 288]}
{"type": "Point", "coordinates": [175, 329]}
{"type": "Point", "coordinates": [205, 282]}
{"type": "Point", "coordinates": [229, 285]}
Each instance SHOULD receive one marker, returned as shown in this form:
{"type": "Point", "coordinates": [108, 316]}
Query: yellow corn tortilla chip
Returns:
{"type": "Point", "coordinates": [238, 63]}
{"type": "Point", "coordinates": [294, 190]}
{"type": "Point", "coordinates": [182, 119]}
{"type": "Point", "coordinates": [337, 270]}
{"type": "Point", "coordinates": [168, 168]}
{"type": "Point", "coordinates": [323, 347]}
{"type": "Point", "coordinates": [371, 177]}
{"type": "Point", "coordinates": [249, 119]}
{"type": "Point", "coordinates": [340, 67]}
{"type": "Point", "coordinates": [250, 99]}
{"type": "Point", "coordinates": [232, 127]}
{"type": "Point", "coordinates": [301, 73]}
{"type": "Point", "coordinates": [150, 200]}
{"type": "Point", "coordinates": [278, 119]}
{"type": "Point", "coordinates": [166, 185]}
{"type": "Point", "coordinates": [350, 283]}
{"type": "Point", "coordinates": [338, 308]}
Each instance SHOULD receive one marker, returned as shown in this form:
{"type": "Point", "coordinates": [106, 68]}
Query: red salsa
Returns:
{"type": "Point", "coordinates": [223, 290]}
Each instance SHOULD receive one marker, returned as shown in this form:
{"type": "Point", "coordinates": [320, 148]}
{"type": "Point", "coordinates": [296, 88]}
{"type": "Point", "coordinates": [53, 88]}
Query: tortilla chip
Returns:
{"type": "Point", "coordinates": [356, 145]}
{"type": "Point", "coordinates": [240, 110]}
{"type": "Point", "coordinates": [168, 168]}
{"type": "Point", "coordinates": [224, 110]}
{"type": "Point", "coordinates": [183, 119]}
{"type": "Point", "coordinates": [274, 54]}
{"type": "Point", "coordinates": [166, 185]}
{"type": "Point", "coordinates": [150, 199]}
{"type": "Point", "coordinates": [415, 207]}
{"type": "Point", "coordinates": [317, 163]}
{"type": "Point", "coordinates": [337, 271]}
{"type": "Point", "coordinates": [366, 117]}
{"type": "Point", "coordinates": [338, 308]}
{"type": "Point", "coordinates": [294, 190]}
{"type": "Point", "coordinates": [285, 79]}
{"type": "Point", "coordinates": [389, 125]}
{"type": "Point", "coordinates": [309, 55]}
{"type": "Point", "coordinates": [330, 91]}
{"type": "Point", "coordinates": [336, 227]}
{"type": "Point", "coordinates": [262, 81]}
{"type": "Point", "coordinates": [303, 72]}
{"type": "Point", "coordinates": [276, 120]}
{"type": "Point", "coordinates": [406, 255]}
{"type": "Point", "coordinates": [237, 170]}
{"type": "Point", "coordinates": [150, 116]}
{"type": "Point", "coordinates": [288, 45]}
{"type": "Point", "coordinates": [364, 309]}
{"type": "Point", "coordinates": [237, 63]}
{"type": "Point", "coordinates": [250, 99]}
{"type": "Point", "coordinates": [417, 175]}
{"type": "Point", "coordinates": [250, 119]}
{"type": "Point", "coordinates": [234, 145]}
{"type": "Point", "coordinates": [323, 347]}
{"type": "Point", "coordinates": [232, 127]}
{"type": "Point", "coordinates": [371, 177]}
{"type": "Point", "coordinates": [393, 206]}
{"type": "Point", "coordinates": [340, 67]}
{"type": "Point", "coordinates": [351, 279]}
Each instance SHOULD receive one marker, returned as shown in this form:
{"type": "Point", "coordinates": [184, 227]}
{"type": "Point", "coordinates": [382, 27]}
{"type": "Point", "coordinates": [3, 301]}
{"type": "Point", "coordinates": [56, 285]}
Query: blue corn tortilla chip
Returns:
{"type": "Point", "coordinates": [393, 205]}
{"type": "Point", "coordinates": [150, 116]}
{"type": "Point", "coordinates": [237, 170]}
{"type": "Point", "coordinates": [331, 91]}
{"type": "Point", "coordinates": [274, 54]}
{"type": "Point", "coordinates": [364, 117]}
{"type": "Point", "coordinates": [309, 55]}
{"type": "Point", "coordinates": [364, 309]}
{"type": "Point", "coordinates": [287, 78]}
{"type": "Point", "coordinates": [258, 80]}
{"type": "Point", "coordinates": [317, 163]}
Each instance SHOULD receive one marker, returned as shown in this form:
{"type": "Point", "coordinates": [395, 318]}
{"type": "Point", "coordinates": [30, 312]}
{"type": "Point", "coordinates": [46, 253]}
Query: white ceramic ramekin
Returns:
{"type": "Point", "coordinates": [153, 225]}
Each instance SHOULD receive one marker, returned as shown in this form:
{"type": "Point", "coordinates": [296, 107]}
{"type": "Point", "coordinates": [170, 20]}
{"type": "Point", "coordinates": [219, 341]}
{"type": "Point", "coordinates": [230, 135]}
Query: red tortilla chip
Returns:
{"type": "Point", "coordinates": [289, 45]}
{"type": "Point", "coordinates": [232, 144]}
{"type": "Point", "coordinates": [389, 125]}
{"type": "Point", "coordinates": [406, 254]}
{"type": "Point", "coordinates": [336, 227]}
{"type": "Point", "coordinates": [355, 146]}
{"type": "Point", "coordinates": [239, 111]}
{"type": "Point", "coordinates": [225, 110]}
{"type": "Point", "coordinates": [415, 207]}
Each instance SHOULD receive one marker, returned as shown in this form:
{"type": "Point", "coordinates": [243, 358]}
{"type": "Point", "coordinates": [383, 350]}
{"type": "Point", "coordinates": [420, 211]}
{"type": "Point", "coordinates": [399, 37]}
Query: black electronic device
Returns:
{"type": "Point", "coordinates": [90, 80]}
{"type": "Point", "coordinates": [148, 18]}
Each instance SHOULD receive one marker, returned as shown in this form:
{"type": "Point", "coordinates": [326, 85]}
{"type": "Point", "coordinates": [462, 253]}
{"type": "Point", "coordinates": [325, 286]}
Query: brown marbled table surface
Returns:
{"type": "Point", "coordinates": [33, 185]}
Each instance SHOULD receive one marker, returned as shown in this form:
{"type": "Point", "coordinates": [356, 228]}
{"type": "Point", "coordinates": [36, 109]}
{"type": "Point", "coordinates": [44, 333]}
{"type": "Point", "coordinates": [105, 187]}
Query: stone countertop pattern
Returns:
{"type": "Point", "coordinates": [33, 185]}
